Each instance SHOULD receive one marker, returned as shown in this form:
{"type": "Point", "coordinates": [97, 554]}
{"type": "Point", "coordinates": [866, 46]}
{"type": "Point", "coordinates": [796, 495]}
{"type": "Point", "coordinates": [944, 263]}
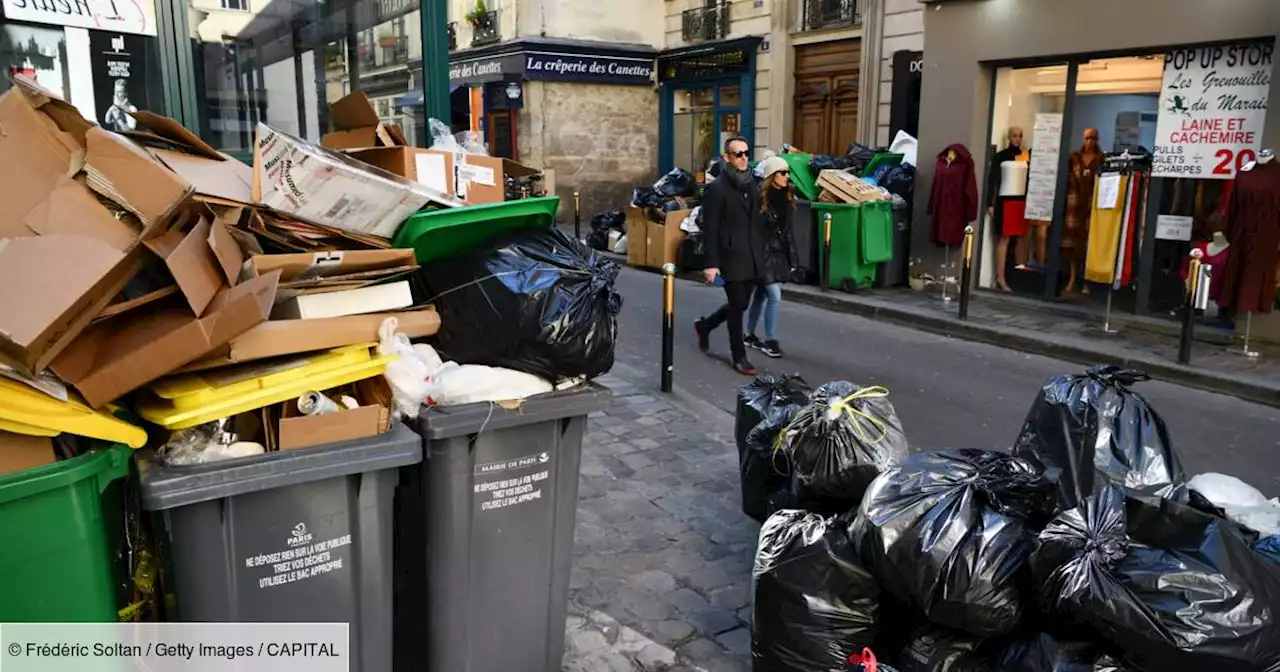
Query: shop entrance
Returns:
{"type": "Point", "coordinates": [705, 117]}
{"type": "Point", "coordinates": [826, 99]}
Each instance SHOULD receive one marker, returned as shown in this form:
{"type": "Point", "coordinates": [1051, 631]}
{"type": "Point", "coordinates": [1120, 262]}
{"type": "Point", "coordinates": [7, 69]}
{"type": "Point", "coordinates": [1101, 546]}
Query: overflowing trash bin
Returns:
{"type": "Point", "coordinates": [485, 534]}
{"type": "Point", "coordinates": [848, 271]}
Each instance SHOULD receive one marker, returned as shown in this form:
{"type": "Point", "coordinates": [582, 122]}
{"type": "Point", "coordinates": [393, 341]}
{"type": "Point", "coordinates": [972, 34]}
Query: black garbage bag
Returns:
{"type": "Point", "coordinates": [677, 203]}
{"type": "Point", "coordinates": [934, 649]}
{"type": "Point", "coordinates": [597, 239]}
{"type": "Point", "coordinates": [534, 300]}
{"type": "Point", "coordinates": [950, 534]}
{"type": "Point", "coordinates": [838, 443]}
{"type": "Point", "coordinates": [615, 220]}
{"type": "Point", "coordinates": [1091, 430]}
{"type": "Point", "coordinates": [900, 180]}
{"type": "Point", "coordinates": [1171, 587]}
{"type": "Point", "coordinates": [821, 162]}
{"type": "Point", "coordinates": [645, 197]}
{"type": "Point", "coordinates": [678, 182]}
{"type": "Point", "coordinates": [1045, 652]}
{"type": "Point", "coordinates": [765, 406]}
{"type": "Point", "coordinates": [693, 252]}
{"type": "Point", "coordinates": [858, 157]}
{"type": "Point", "coordinates": [814, 604]}
{"type": "Point", "coordinates": [1269, 547]}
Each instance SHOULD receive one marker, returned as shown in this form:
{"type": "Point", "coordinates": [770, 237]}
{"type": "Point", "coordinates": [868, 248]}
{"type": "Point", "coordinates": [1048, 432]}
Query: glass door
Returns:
{"type": "Point", "coordinates": [704, 117]}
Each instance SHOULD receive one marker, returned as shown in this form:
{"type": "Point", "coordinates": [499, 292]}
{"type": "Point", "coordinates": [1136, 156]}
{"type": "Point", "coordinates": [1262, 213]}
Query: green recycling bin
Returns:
{"type": "Point", "coordinates": [848, 270]}
{"type": "Point", "coordinates": [435, 234]}
{"type": "Point", "coordinates": [877, 232]}
{"type": "Point", "coordinates": [802, 177]}
{"type": "Point", "coordinates": [59, 559]}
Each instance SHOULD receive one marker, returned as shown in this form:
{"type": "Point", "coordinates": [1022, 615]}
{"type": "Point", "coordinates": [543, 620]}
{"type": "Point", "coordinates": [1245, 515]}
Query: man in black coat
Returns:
{"type": "Point", "coordinates": [734, 231]}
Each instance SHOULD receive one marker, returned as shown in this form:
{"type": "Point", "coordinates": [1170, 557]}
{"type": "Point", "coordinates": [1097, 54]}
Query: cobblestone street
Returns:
{"type": "Point", "coordinates": [662, 573]}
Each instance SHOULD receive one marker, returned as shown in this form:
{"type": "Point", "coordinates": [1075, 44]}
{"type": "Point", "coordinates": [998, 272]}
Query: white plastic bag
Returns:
{"type": "Point", "coordinates": [408, 375]}
{"type": "Point", "coordinates": [690, 223]}
{"type": "Point", "coordinates": [1242, 502]}
{"type": "Point", "coordinates": [906, 145]}
{"type": "Point", "coordinates": [455, 384]}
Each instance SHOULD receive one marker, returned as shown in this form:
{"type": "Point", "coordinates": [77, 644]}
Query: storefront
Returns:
{"type": "Point", "coordinates": [1184, 91]}
{"type": "Point", "coordinates": [583, 109]}
{"type": "Point", "coordinates": [707, 95]}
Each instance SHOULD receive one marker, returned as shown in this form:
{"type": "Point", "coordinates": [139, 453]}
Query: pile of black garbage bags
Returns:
{"type": "Point", "coordinates": [674, 191]}
{"type": "Point", "coordinates": [898, 180]}
{"type": "Point", "coordinates": [601, 224]}
{"type": "Point", "coordinates": [1084, 549]}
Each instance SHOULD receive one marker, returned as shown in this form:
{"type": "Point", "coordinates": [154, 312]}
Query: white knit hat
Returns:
{"type": "Point", "coordinates": [771, 165]}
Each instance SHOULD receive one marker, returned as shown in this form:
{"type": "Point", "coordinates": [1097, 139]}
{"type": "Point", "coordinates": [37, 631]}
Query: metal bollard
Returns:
{"type": "Point", "coordinates": [1198, 274]}
{"type": "Point", "coordinates": [577, 216]}
{"type": "Point", "coordinates": [668, 324]}
{"type": "Point", "coordinates": [826, 251]}
{"type": "Point", "coordinates": [966, 272]}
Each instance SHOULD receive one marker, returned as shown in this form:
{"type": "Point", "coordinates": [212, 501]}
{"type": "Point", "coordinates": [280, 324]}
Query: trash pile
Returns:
{"type": "Point", "coordinates": [658, 219]}
{"type": "Point", "coordinates": [1085, 548]}
{"type": "Point", "coordinates": [155, 292]}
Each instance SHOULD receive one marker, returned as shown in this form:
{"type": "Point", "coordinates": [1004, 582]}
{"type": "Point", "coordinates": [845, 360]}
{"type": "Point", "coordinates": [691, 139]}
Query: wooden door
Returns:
{"type": "Point", "coordinates": [826, 99]}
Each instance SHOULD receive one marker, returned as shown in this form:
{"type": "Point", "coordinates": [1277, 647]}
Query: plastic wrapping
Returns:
{"type": "Point", "coordinates": [1171, 587]}
{"type": "Point", "coordinates": [1091, 430]}
{"type": "Point", "coordinates": [677, 182]}
{"type": "Point", "coordinates": [950, 533]}
{"type": "Point", "coordinates": [1240, 502]}
{"type": "Point", "coordinates": [202, 444]}
{"type": "Point", "coordinates": [1044, 652]}
{"type": "Point", "coordinates": [934, 649]}
{"type": "Point", "coordinates": [1269, 547]}
{"type": "Point", "coordinates": [765, 406]}
{"type": "Point", "coordinates": [533, 300]}
{"type": "Point", "coordinates": [837, 444]}
{"type": "Point", "coordinates": [814, 605]}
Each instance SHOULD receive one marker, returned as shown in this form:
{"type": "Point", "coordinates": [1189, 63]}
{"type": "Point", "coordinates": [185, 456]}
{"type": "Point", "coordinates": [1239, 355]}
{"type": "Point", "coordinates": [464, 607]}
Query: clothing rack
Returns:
{"type": "Point", "coordinates": [1133, 165]}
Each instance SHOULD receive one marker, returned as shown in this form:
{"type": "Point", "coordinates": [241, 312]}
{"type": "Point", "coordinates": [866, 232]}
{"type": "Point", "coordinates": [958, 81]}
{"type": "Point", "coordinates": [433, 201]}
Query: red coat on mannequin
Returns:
{"type": "Point", "coordinates": [953, 202]}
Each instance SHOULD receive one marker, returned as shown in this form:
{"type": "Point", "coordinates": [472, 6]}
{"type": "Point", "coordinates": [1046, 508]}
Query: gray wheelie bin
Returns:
{"type": "Point", "coordinates": [291, 536]}
{"type": "Point", "coordinates": [485, 534]}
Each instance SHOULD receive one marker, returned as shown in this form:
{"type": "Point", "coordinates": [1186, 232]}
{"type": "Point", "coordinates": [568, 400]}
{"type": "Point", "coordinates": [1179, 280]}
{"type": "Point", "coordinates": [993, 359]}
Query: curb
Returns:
{"type": "Point", "coordinates": [1016, 339]}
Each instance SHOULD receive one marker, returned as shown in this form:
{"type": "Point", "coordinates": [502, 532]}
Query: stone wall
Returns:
{"type": "Point", "coordinates": [599, 139]}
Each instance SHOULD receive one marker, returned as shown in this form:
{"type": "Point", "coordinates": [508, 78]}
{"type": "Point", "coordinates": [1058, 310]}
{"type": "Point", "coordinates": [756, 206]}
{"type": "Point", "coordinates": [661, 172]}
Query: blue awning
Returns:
{"type": "Point", "coordinates": [414, 98]}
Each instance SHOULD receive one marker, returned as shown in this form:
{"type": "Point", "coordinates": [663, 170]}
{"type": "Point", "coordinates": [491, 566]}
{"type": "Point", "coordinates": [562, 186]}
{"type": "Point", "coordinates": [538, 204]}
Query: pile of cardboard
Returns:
{"type": "Point", "coordinates": [650, 244]}
{"type": "Point", "coordinates": [127, 260]}
{"type": "Point", "coordinates": [841, 187]}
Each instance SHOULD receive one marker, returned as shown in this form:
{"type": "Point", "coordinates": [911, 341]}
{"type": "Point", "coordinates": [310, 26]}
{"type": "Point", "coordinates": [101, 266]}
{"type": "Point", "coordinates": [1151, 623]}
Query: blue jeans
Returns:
{"type": "Point", "coordinates": [769, 298]}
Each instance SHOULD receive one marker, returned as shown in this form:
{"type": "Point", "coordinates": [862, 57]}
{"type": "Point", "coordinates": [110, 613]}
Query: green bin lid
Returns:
{"type": "Point", "coordinates": [442, 233]}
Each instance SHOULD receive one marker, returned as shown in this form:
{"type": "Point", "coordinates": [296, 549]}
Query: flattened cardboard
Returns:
{"type": "Point", "coordinates": [130, 176]}
{"type": "Point", "coordinates": [191, 261]}
{"type": "Point", "coordinates": [637, 237]}
{"type": "Point", "coordinates": [329, 264]}
{"type": "Point", "coordinates": [115, 357]}
{"type": "Point", "coordinates": [177, 133]}
{"type": "Point", "coordinates": [223, 180]}
{"type": "Point", "coordinates": [357, 125]}
{"type": "Point", "coordinates": [276, 338]}
{"type": "Point", "coordinates": [19, 452]}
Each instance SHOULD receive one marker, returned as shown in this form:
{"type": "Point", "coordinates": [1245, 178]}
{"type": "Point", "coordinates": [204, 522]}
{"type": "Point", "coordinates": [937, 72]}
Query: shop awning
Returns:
{"type": "Point", "coordinates": [414, 98]}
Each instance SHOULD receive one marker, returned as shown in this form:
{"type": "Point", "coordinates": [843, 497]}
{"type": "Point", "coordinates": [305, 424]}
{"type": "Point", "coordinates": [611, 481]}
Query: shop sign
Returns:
{"type": "Point", "coordinates": [1213, 105]}
{"type": "Point", "coordinates": [705, 65]}
{"type": "Point", "coordinates": [483, 69]}
{"type": "Point", "coordinates": [588, 68]}
{"type": "Point", "coordinates": [122, 16]}
{"type": "Point", "coordinates": [1042, 174]}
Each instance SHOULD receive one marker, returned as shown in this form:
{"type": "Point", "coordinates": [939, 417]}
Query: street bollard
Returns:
{"type": "Point", "coordinates": [966, 272]}
{"type": "Point", "coordinates": [1198, 275]}
{"type": "Point", "coordinates": [826, 251]}
{"type": "Point", "coordinates": [577, 216]}
{"type": "Point", "coordinates": [668, 324]}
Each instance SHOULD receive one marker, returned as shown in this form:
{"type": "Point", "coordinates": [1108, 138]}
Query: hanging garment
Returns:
{"type": "Point", "coordinates": [1106, 226]}
{"type": "Point", "coordinates": [1137, 210]}
{"type": "Point", "coordinates": [1253, 229]}
{"type": "Point", "coordinates": [1080, 182]}
{"type": "Point", "coordinates": [953, 201]}
{"type": "Point", "coordinates": [1013, 217]}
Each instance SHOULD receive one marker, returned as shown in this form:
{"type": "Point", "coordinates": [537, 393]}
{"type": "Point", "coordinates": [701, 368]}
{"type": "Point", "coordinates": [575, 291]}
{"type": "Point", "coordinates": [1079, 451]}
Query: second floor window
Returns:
{"type": "Point", "coordinates": [236, 5]}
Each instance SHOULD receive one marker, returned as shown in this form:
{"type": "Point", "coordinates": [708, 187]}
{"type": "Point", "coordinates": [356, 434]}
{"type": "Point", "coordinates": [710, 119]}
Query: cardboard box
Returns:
{"type": "Point", "coordinates": [333, 270]}
{"type": "Point", "coordinates": [637, 236]}
{"type": "Point", "coordinates": [849, 188]}
{"type": "Point", "coordinates": [371, 418]}
{"type": "Point", "coordinates": [65, 254]}
{"type": "Point", "coordinates": [358, 126]}
{"type": "Point", "coordinates": [331, 189]}
{"type": "Point", "coordinates": [483, 178]}
{"type": "Point", "coordinates": [276, 338]}
{"type": "Point", "coordinates": [663, 244]}
{"type": "Point", "coordinates": [115, 357]}
{"type": "Point", "coordinates": [432, 168]}
{"type": "Point", "coordinates": [19, 452]}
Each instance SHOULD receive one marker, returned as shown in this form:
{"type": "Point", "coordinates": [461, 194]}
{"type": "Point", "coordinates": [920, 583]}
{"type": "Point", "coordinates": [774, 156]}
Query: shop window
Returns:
{"type": "Point", "coordinates": [705, 117]}
{"type": "Point", "coordinates": [283, 67]}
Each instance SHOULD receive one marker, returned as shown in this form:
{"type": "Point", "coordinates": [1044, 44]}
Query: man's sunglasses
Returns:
{"type": "Point", "coordinates": [740, 155]}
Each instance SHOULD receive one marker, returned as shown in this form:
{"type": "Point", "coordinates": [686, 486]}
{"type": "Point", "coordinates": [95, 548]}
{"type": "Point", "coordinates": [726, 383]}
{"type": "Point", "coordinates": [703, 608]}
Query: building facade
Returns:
{"type": "Point", "coordinates": [1186, 84]}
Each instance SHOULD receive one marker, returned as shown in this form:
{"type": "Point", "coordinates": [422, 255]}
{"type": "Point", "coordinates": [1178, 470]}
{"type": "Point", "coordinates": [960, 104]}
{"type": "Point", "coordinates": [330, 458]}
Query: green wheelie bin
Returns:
{"type": "Point", "coordinates": [848, 271]}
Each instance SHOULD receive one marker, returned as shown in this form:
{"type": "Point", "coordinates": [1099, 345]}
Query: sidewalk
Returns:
{"type": "Point", "coordinates": [1073, 335]}
{"type": "Point", "coordinates": [662, 565]}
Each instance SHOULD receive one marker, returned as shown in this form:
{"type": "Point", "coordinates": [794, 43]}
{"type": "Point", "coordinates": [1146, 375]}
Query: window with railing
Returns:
{"type": "Point", "coordinates": [484, 29]}
{"type": "Point", "coordinates": [453, 36]}
{"type": "Point", "coordinates": [831, 14]}
{"type": "Point", "coordinates": [710, 22]}
{"type": "Point", "coordinates": [395, 49]}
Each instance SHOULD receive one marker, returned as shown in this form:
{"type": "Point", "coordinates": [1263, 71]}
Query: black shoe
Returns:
{"type": "Point", "coordinates": [751, 341]}
{"type": "Point", "coordinates": [771, 349]}
{"type": "Point", "coordinates": [744, 367]}
{"type": "Point", "coordinates": [700, 332]}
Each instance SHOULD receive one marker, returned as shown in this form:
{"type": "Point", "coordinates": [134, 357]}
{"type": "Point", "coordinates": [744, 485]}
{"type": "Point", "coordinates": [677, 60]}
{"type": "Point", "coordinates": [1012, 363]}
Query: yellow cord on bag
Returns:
{"type": "Point", "coordinates": [874, 392]}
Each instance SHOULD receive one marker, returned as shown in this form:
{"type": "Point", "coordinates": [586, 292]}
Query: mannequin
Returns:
{"type": "Point", "coordinates": [1007, 198]}
{"type": "Point", "coordinates": [1083, 170]}
{"type": "Point", "coordinates": [1218, 245]}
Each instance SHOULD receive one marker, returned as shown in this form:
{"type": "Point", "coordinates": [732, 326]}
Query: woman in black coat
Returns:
{"type": "Point", "coordinates": [777, 205]}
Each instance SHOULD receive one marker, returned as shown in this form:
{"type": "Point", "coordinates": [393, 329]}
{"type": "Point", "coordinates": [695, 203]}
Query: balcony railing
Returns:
{"type": "Point", "coordinates": [831, 13]}
{"type": "Point", "coordinates": [453, 36]}
{"type": "Point", "coordinates": [484, 30]}
{"type": "Point", "coordinates": [706, 23]}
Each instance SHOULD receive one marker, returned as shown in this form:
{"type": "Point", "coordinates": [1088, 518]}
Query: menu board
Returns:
{"type": "Point", "coordinates": [1042, 182]}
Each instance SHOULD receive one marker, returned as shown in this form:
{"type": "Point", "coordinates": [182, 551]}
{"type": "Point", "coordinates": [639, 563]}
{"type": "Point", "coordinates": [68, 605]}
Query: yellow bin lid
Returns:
{"type": "Point", "coordinates": [24, 410]}
{"type": "Point", "coordinates": [191, 399]}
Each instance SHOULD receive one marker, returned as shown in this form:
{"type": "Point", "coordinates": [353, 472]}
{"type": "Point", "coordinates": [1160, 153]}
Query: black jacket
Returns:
{"type": "Point", "coordinates": [779, 240]}
{"type": "Point", "coordinates": [734, 229]}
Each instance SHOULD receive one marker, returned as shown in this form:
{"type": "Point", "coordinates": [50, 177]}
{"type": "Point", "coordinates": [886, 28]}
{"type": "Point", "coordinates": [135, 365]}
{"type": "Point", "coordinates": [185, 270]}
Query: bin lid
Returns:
{"type": "Point", "coordinates": [190, 399]}
{"type": "Point", "coordinates": [24, 410]}
{"type": "Point", "coordinates": [801, 174]}
{"type": "Point", "coordinates": [442, 233]}
{"type": "Point", "coordinates": [105, 465]}
{"type": "Point", "coordinates": [445, 422]}
{"type": "Point", "coordinates": [171, 487]}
